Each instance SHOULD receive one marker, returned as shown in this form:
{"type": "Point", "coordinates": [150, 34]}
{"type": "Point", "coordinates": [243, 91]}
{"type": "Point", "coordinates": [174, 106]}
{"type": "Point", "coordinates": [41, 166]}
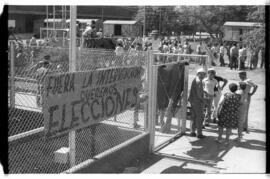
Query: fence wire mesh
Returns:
{"type": "Point", "coordinates": [29, 150]}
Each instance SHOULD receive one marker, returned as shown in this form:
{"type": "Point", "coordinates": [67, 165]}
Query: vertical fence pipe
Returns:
{"type": "Point", "coordinates": [147, 67]}
{"type": "Point", "coordinates": [72, 68]}
{"type": "Point", "coordinates": [12, 75]}
{"type": "Point", "coordinates": [47, 18]}
{"type": "Point", "coordinates": [185, 100]}
{"type": "Point", "coordinates": [152, 102]}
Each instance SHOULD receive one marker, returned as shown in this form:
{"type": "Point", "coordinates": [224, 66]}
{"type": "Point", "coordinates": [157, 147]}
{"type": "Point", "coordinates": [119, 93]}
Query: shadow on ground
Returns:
{"type": "Point", "coordinates": [181, 169]}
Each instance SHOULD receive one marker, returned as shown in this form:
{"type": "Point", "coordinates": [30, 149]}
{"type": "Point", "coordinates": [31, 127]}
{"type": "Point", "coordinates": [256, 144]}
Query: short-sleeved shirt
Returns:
{"type": "Point", "coordinates": [209, 85]}
{"type": "Point", "coordinates": [240, 52]}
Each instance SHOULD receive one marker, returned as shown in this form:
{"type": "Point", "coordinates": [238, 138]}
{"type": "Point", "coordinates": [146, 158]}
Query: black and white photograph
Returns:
{"type": "Point", "coordinates": [136, 89]}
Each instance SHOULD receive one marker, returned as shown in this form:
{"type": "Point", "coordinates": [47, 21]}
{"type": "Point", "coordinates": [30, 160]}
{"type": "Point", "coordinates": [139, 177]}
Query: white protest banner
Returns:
{"type": "Point", "coordinates": [80, 99]}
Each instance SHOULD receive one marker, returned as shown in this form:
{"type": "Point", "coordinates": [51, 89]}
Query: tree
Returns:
{"type": "Point", "coordinates": [255, 38]}
{"type": "Point", "coordinates": [162, 18]}
{"type": "Point", "coordinates": [212, 18]}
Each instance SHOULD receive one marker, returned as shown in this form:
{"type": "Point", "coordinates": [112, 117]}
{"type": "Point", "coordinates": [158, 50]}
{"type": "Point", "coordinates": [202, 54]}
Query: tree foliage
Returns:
{"type": "Point", "coordinates": [255, 38]}
{"type": "Point", "coordinates": [212, 18]}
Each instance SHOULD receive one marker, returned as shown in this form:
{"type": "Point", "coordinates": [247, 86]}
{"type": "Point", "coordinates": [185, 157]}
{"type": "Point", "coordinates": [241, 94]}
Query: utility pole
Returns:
{"type": "Point", "coordinates": [159, 22]}
{"type": "Point", "coordinates": [47, 18]}
{"type": "Point", "coordinates": [53, 20]}
{"type": "Point", "coordinates": [144, 25]}
{"type": "Point", "coordinates": [72, 68]}
{"type": "Point", "coordinates": [102, 13]}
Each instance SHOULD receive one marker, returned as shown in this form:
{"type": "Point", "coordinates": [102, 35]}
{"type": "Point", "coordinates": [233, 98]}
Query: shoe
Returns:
{"type": "Point", "coordinates": [227, 143]}
{"type": "Point", "coordinates": [218, 141]}
{"type": "Point", "coordinates": [201, 136]}
{"type": "Point", "coordinates": [192, 134]}
{"type": "Point", "coordinates": [203, 127]}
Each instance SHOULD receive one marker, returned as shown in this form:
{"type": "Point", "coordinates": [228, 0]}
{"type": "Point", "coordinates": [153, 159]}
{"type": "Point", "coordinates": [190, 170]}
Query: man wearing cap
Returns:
{"type": "Point", "coordinates": [197, 104]}
{"type": "Point", "coordinates": [209, 85]}
{"type": "Point", "coordinates": [249, 85]}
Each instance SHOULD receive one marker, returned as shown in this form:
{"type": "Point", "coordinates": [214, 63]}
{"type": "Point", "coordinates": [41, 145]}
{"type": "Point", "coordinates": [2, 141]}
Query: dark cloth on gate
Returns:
{"type": "Point", "coordinates": [170, 85]}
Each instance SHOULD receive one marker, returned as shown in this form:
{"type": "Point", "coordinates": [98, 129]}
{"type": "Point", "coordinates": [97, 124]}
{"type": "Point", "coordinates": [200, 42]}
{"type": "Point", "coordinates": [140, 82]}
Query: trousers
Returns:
{"type": "Point", "coordinates": [197, 117]}
{"type": "Point", "coordinates": [208, 113]}
{"type": "Point", "coordinates": [215, 103]}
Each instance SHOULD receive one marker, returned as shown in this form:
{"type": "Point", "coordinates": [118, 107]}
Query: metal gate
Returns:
{"type": "Point", "coordinates": [168, 93]}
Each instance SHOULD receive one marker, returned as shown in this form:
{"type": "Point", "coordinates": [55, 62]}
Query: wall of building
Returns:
{"type": "Point", "coordinates": [127, 30]}
{"type": "Point", "coordinates": [233, 33]}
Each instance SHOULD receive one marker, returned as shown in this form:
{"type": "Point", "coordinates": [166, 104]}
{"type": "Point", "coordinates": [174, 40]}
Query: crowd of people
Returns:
{"type": "Point", "coordinates": [240, 56]}
{"type": "Point", "coordinates": [230, 109]}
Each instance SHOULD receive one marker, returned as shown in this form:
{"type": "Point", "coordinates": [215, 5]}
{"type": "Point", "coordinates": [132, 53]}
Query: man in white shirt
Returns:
{"type": "Point", "coordinates": [233, 56]}
{"type": "Point", "coordinates": [86, 34]}
{"type": "Point", "coordinates": [155, 41]}
{"type": "Point", "coordinates": [241, 59]}
{"type": "Point", "coordinates": [221, 55]}
{"type": "Point", "coordinates": [209, 85]}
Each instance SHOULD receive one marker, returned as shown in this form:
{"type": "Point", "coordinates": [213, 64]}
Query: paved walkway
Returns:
{"type": "Point", "coordinates": [191, 155]}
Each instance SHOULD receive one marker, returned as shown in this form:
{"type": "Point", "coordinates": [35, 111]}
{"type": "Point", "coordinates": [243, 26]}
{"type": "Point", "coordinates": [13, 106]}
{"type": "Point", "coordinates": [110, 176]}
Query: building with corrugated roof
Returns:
{"type": "Point", "coordinates": [29, 19]}
{"type": "Point", "coordinates": [234, 30]}
{"type": "Point", "coordinates": [122, 28]}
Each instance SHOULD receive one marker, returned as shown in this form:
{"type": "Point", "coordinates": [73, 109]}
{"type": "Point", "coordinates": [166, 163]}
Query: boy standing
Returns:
{"type": "Point", "coordinates": [209, 85]}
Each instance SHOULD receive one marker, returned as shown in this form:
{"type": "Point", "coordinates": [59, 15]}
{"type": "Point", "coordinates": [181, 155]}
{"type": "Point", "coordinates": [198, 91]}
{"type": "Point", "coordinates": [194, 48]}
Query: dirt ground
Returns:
{"type": "Point", "coordinates": [257, 105]}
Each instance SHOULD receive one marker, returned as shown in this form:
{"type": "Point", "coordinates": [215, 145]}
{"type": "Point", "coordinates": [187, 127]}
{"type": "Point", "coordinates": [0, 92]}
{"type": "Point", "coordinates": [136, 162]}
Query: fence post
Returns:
{"type": "Point", "coordinates": [146, 103]}
{"type": "Point", "coordinates": [185, 100]}
{"type": "Point", "coordinates": [12, 75]}
{"type": "Point", "coordinates": [152, 101]}
{"type": "Point", "coordinates": [72, 68]}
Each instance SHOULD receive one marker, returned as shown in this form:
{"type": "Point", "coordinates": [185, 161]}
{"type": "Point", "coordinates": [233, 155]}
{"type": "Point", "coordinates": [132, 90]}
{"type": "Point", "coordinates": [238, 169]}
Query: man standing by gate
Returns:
{"type": "Point", "coordinates": [197, 104]}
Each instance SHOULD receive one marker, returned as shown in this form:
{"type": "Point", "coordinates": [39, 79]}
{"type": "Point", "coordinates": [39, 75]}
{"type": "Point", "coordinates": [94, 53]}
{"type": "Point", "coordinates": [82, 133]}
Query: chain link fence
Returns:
{"type": "Point", "coordinates": [29, 150]}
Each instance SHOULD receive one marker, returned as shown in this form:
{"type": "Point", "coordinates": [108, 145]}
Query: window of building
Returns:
{"type": "Point", "coordinates": [117, 29]}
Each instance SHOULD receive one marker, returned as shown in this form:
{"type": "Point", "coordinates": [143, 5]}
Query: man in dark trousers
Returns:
{"type": "Point", "coordinates": [233, 57]}
{"type": "Point", "coordinates": [196, 100]}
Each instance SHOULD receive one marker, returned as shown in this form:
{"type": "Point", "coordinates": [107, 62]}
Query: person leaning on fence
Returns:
{"type": "Point", "coordinates": [196, 100]}
{"type": "Point", "coordinates": [228, 113]}
{"type": "Point", "coordinates": [249, 85]}
{"type": "Point", "coordinates": [209, 84]}
{"type": "Point", "coordinates": [41, 73]}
